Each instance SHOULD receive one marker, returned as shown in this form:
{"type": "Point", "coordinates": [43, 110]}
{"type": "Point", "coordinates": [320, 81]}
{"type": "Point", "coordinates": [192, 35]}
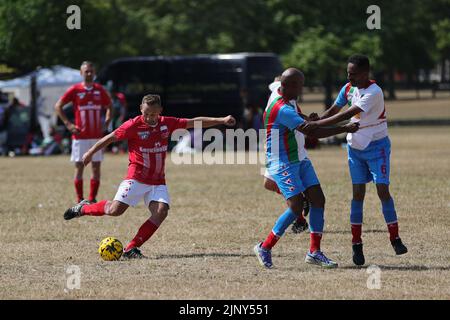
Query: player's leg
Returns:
{"type": "Point", "coordinates": [263, 250]}
{"type": "Point", "coordinates": [289, 183]}
{"type": "Point", "coordinates": [128, 194]}
{"type": "Point", "coordinates": [96, 172]}
{"type": "Point", "coordinates": [157, 200]}
{"type": "Point", "coordinates": [316, 216]}
{"type": "Point", "coordinates": [95, 180]}
{"type": "Point", "coordinates": [390, 217]}
{"type": "Point", "coordinates": [78, 180]}
{"type": "Point", "coordinates": [356, 220]}
{"type": "Point", "coordinates": [300, 223]}
{"type": "Point", "coordinates": [360, 175]}
{"type": "Point", "coordinates": [314, 193]}
{"type": "Point", "coordinates": [379, 164]}
{"type": "Point", "coordinates": [159, 212]}
{"type": "Point", "coordinates": [105, 207]}
{"type": "Point", "coordinates": [78, 149]}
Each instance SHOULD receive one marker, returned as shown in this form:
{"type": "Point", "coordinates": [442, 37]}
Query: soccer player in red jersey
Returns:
{"type": "Point", "coordinates": [148, 138]}
{"type": "Point", "coordinates": [89, 99]}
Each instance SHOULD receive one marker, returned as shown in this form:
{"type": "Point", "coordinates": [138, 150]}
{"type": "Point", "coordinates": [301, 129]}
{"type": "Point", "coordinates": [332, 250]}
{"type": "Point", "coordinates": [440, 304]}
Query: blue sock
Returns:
{"type": "Point", "coordinates": [356, 212]}
{"type": "Point", "coordinates": [389, 213]}
{"type": "Point", "coordinates": [283, 222]}
{"type": "Point", "coordinates": [316, 220]}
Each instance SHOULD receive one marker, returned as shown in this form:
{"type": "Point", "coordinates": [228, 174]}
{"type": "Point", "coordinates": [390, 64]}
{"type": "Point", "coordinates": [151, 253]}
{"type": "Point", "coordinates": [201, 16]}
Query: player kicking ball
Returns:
{"type": "Point", "coordinates": [148, 138]}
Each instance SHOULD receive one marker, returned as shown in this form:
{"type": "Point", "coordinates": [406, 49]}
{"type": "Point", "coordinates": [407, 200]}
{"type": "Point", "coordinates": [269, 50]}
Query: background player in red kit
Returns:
{"type": "Point", "coordinates": [148, 138]}
{"type": "Point", "coordinates": [89, 99]}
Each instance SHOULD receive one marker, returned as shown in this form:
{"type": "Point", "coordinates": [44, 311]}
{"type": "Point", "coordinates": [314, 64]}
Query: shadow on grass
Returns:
{"type": "Point", "coordinates": [350, 232]}
{"type": "Point", "coordinates": [202, 255]}
{"type": "Point", "coordinates": [400, 268]}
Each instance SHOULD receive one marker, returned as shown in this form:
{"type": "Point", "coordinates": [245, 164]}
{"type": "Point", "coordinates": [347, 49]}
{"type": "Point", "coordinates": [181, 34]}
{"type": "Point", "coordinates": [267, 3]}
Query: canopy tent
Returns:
{"type": "Point", "coordinates": [54, 76]}
{"type": "Point", "coordinates": [50, 82]}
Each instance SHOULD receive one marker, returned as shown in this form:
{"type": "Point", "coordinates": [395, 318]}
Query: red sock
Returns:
{"type": "Point", "coordinates": [393, 231]}
{"type": "Point", "coordinates": [95, 209]}
{"type": "Point", "coordinates": [356, 233]}
{"type": "Point", "coordinates": [94, 189]}
{"type": "Point", "coordinates": [144, 233]}
{"type": "Point", "coordinates": [315, 242]}
{"type": "Point", "coordinates": [79, 188]}
{"type": "Point", "coordinates": [270, 241]}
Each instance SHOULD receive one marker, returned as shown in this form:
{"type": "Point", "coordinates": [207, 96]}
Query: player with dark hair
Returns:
{"type": "Point", "coordinates": [369, 149]}
{"type": "Point", "coordinates": [289, 166]}
{"type": "Point", "coordinates": [89, 100]}
{"type": "Point", "coordinates": [148, 139]}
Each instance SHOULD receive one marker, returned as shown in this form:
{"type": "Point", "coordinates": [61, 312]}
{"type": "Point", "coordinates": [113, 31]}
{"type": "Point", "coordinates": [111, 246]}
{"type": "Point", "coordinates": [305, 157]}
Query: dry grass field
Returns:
{"type": "Point", "coordinates": [403, 109]}
{"type": "Point", "coordinates": [218, 213]}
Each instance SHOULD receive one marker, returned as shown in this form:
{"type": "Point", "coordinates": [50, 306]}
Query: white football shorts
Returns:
{"type": "Point", "coordinates": [81, 146]}
{"type": "Point", "coordinates": [131, 192]}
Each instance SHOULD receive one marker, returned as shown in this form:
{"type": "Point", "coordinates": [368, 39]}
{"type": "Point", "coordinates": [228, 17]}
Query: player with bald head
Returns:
{"type": "Point", "coordinates": [288, 164]}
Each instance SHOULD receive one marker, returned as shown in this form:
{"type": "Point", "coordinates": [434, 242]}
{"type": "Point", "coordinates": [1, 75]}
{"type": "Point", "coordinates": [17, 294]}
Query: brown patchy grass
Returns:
{"type": "Point", "coordinates": [204, 249]}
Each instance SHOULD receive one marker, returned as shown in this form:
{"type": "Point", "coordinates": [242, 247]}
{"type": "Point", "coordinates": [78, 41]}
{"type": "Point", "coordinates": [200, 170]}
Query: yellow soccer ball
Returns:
{"type": "Point", "coordinates": [110, 249]}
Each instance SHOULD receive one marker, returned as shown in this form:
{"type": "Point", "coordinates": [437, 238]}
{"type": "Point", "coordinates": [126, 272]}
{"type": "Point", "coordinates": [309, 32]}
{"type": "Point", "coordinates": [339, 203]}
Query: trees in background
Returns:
{"type": "Point", "coordinates": [314, 36]}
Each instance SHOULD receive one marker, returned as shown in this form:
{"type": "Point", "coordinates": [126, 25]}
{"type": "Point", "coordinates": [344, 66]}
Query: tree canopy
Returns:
{"type": "Point", "coordinates": [315, 36]}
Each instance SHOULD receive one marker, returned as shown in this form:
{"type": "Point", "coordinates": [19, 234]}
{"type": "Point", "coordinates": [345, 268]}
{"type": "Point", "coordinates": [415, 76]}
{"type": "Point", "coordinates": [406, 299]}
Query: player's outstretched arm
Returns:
{"type": "Point", "coordinates": [211, 122]}
{"type": "Point", "coordinates": [320, 132]}
{"type": "Point", "coordinates": [100, 144]}
{"type": "Point", "coordinates": [334, 109]}
{"type": "Point", "coordinates": [338, 117]}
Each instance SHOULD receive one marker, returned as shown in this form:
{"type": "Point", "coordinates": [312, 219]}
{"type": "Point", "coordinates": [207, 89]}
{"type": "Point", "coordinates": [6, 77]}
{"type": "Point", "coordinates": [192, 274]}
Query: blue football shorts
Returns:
{"type": "Point", "coordinates": [370, 164]}
{"type": "Point", "coordinates": [296, 178]}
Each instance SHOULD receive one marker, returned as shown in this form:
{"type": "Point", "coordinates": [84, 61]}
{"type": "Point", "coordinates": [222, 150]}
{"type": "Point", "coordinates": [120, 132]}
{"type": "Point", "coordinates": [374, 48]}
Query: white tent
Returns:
{"type": "Point", "coordinates": [51, 82]}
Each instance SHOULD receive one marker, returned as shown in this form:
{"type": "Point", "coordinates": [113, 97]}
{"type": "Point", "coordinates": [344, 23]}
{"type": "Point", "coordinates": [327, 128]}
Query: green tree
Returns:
{"type": "Point", "coordinates": [34, 33]}
{"type": "Point", "coordinates": [442, 33]}
{"type": "Point", "coordinates": [318, 53]}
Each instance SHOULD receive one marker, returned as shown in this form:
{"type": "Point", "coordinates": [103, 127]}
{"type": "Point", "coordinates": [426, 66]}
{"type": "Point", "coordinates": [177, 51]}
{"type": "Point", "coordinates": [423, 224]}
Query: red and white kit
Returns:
{"type": "Point", "coordinates": [147, 149]}
{"type": "Point", "coordinates": [88, 103]}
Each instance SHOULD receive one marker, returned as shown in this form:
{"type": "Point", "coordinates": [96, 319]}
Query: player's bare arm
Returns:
{"type": "Point", "coordinates": [100, 144]}
{"type": "Point", "coordinates": [108, 115]}
{"type": "Point", "coordinates": [211, 122]}
{"type": "Point", "coordinates": [320, 132]}
{"type": "Point", "coordinates": [339, 117]}
{"type": "Point", "coordinates": [69, 125]}
{"type": "Point", "coordinates": [334, 109]}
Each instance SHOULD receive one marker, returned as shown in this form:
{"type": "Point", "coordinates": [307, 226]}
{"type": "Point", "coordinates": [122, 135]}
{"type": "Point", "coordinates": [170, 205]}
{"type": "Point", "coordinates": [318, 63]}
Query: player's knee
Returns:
{"type": "Point", "coordinates": [358, 195]}
{"type": "Point", "coordinates": [79, 170]}
{"type": "Point", "coordinates": [296, 205]}
{"type": "Point", "coordinates": [383, 192]}
{"type": "Point", "coordinates": [318, 201]}
{"type": "Point", "coordinates": [162, 213]}
{"type": "Point", "coordinates": [359, 192]}
{"type": "Point", "coordinates": [79, 165]}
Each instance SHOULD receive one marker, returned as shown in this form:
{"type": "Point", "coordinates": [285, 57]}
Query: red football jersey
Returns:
{"type": "Point", "coordinates": [88, 103]}
{"type": "Point", "coordinates": [147, 147]}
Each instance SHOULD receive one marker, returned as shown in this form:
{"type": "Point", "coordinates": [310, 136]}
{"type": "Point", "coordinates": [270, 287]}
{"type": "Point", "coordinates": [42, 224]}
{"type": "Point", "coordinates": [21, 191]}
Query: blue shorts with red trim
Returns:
{"type": "Point", "coordinates": [370, 164]}
{"type": "Point", "coordinates": [295, 178]}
